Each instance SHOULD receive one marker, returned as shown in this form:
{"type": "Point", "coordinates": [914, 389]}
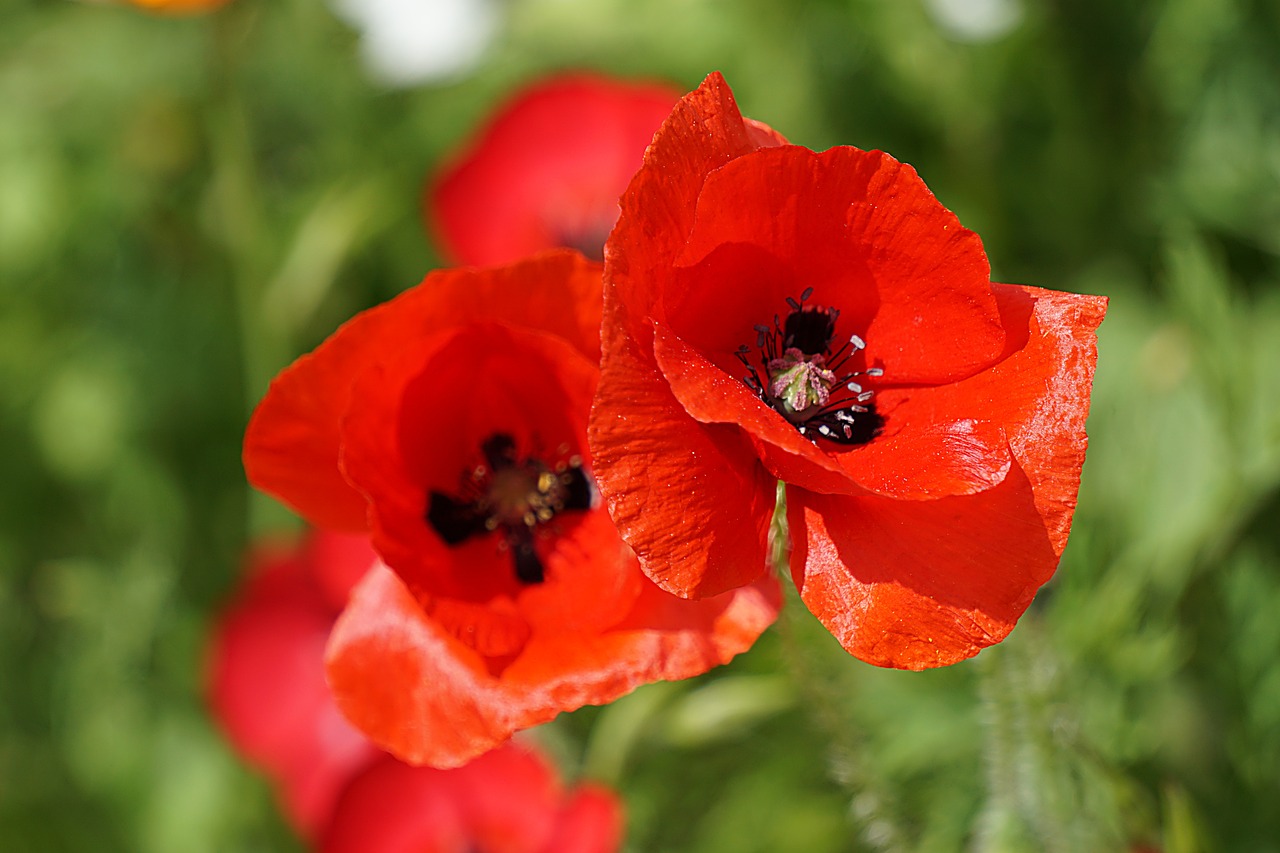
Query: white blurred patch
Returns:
{"type": "Point", "coordinates": [975, 20]}
{"type": "Point", "coordinates": [415, 41]}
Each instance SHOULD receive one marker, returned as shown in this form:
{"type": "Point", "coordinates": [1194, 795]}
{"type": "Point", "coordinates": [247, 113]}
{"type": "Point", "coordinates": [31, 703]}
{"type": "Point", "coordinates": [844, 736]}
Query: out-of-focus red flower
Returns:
{"type": "Point", "coordinates": [450, 424]}
{"type": "Point", "coordinates": [266, 678]}
{"type": "Point", "coordinates": [547, 171]}
{"type": "Point", "coordinates": [507, 801]}
{"type": "Point", "coordinates": [820, 318]}
{"type": "Point", "coordinates": [267, 689]}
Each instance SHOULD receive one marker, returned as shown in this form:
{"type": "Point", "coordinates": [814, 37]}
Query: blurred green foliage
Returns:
{"type": "Point", "coordinates": [186, 204]}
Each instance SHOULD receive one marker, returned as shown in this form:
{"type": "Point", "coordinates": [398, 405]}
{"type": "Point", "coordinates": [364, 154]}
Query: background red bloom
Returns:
{"type": "Point", "coordinates": [266, 673]}
{"type": "Point", "coordinates": [451, 424]}
{"type": "Point", "coordinates": [932, 471]}
{"type": "Point", "coordinates": [268, 691]}
{"type": "Point", "coordinates": [547, 170]}
{"type": "Point", "coordinates": [507, 801]}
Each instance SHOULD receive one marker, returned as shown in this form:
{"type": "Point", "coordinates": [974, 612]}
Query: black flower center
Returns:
{"type": "Point", "coordinates": [803, 379]}
{"type": "Point", "coordinates": [513, 497]}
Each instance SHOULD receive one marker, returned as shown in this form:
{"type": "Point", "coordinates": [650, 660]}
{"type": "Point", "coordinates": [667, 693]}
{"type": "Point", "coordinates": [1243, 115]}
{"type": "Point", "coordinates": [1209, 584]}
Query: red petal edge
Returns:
{"type": "Point", "coordinates": [922, 584]}
{"type": "Point", "coordinates": [425, 697]}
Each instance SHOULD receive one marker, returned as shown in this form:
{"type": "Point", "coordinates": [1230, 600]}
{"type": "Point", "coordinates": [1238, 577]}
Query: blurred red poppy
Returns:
{"type": "Point", "coordinates": [507, 801]}
{"type": "Point", "coordinates": [450, 423]}
{"type": "Point", "coordinates": [547, 170]}
{"type": "Point", "coordinates": [266, 674]}
{"type": "Point", "coordinates": [820, 318]}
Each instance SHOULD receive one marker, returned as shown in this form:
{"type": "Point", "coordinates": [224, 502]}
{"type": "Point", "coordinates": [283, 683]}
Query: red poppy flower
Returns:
{"type": "Point", "coordinates": [548, 170]}
{"type": "Point", "coordinates": [507, 801]}
{"type": "Point", "coordinates": [266, 678]}
{"type": "Point", "coordinates": [451, 424]}
{"type": "Point", "coordinates": [820, 318]}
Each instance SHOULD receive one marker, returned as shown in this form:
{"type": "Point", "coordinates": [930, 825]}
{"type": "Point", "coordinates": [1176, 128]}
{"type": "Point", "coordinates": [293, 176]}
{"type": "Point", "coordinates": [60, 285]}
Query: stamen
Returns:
{"type": "Point", "coordinates": [798, 373]}
{"type": "Point", "coordinates": [514, 497]}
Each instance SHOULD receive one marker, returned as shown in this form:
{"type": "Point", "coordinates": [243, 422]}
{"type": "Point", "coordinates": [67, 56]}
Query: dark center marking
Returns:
{"type": "Point", "coordinates": [801, 378]}
{"type": "Point", "coordinates": [512, 497]}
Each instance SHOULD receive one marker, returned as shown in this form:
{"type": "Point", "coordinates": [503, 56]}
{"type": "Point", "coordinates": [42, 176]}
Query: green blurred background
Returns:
{"type": "Point", "coordinates": [186, 204]}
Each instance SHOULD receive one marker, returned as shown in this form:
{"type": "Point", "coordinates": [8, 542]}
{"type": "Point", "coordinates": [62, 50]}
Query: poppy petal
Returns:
{"type": "Point", "coordinates": [292, 444]}
{"type": "Point", "coordinates": [506, 801]}
{"type": "Point", "coordinates": [548, 170]}
{"type": "Point", "coordinates": [395, 808]}
{"type": "Point", "coordinates": [869, 237]}
{"type": "Point", "coordinates": [919, 584]}
{"type": "Point", "coordinates": [702, 133]}
{"type": "Point", "coordinates": [1051, 378]}
{"type": "Point", "coordinates": [408, 685]}
{"type": "Point", "coordinates": [336, 562]}
{"type": "Point", "coordinates": [691, 499]}
{"type": "Point", "coordinates": [429, 699]}
{"type": "Point", "coordinates": [1038, 392]}
{"type": "Point", "coordinates": [590, 823]}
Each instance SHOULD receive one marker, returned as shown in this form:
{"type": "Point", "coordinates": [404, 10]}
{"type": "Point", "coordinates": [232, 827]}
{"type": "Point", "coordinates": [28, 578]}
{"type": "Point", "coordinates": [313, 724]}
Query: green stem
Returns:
{"type": "Point", "coordinates": [869, 807]}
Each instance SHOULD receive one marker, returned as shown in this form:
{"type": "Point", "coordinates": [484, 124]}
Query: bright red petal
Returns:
{"type": "Point", "coordinates": [430, 699]}
{"type": "Point", "coordinates": [548, 170]}
{"type": "Point", "coordinates": [866, 233]}
{"type": "Point", "coordinates": [664, 638]}
{"type": "Point", "coordinates": [691, 499]}
{"type": "Point", "coordinates": [919, 584]}
{"type": "Point", "coordinates": [703, 132]}
{"type": "Point", "coordinates": [292, 444]}
{"type": "Point", "coordinates": [1041, 392]}
{"type": "Point", "coordinates": [408, 685]}
{"type": "Point", "coordinates": [1038, 394]}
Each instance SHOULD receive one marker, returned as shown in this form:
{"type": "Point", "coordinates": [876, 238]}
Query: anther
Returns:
{"type": "Point", "coordinates": [799, 375]}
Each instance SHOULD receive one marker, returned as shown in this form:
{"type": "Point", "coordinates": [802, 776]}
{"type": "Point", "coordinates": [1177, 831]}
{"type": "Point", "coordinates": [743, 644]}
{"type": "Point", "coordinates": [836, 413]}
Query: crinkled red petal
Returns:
{"type": "Point", "coordinates": [267, 688]}
{"type": "Point", "coordinates": [293, 441]}
{"type": "Point", "coordinates": [690, 498]}
{"type": "Point", "coordinates": [703, 132]}
{"type": "Point", "coordinates": [1038, 393]}
{"type": "Point", "coordinates": [919, 584]}
{"type": "Point", "coordinates": [430, 699]}
{"type": "Point", "coordinates": [548, 170]}
{"type": "Point", "coordinates": [409, 685]}
{"type": "Point", "coordinates": [866, 233]}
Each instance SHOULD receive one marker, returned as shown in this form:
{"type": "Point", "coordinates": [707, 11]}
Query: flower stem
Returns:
{"type": "Point", "coordinates": [869, 808]}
